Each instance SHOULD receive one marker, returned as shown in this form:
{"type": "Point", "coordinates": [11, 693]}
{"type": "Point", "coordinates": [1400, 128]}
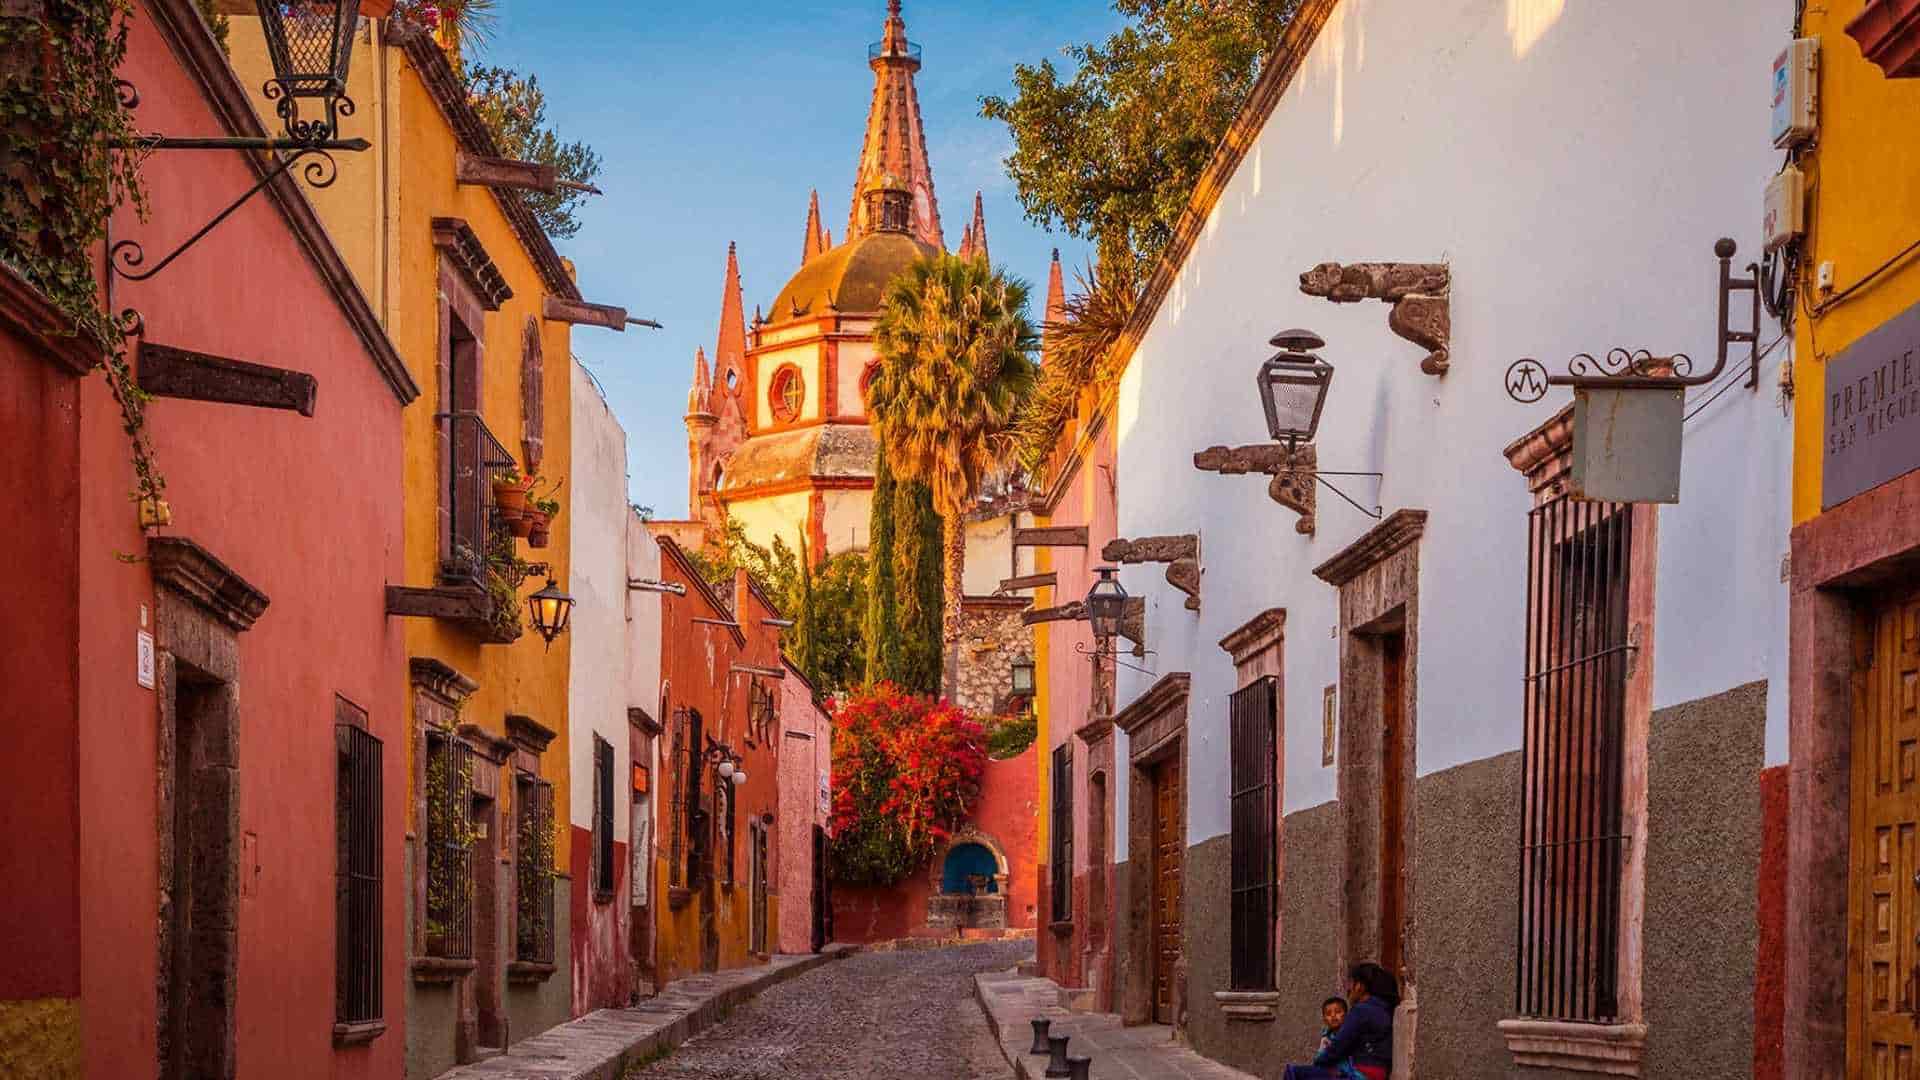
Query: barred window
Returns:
{"type": "Point", "coordinates": [450, 836]}
{"type": "Point", "coordinates": [679, 775]}
{"type": "Point", "coordinates": [724, 798]}
{"type": "Point", "coordinates": [1254, 852]}
{"type": "Point", "coordinates": [602, 819]}
{"type": "Point", "coordinates": [1063, 832]}
{"type": "Point", "coordinates": [760, 715]}
{"type": "Point", "coordinates": [1573, 753]}
{"type": "Point", "coordinates": [533, 424]}
{"type": "Point", "coordinates": [357, 825]}
{"type": "Point", "coordinates": [533, 869]}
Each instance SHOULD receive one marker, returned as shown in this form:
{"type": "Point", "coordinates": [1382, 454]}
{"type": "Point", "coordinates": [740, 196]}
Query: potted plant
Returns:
{"type": "Point", "coordinates": [509, 491]}
{"type": "Point", "coordinates": [541, 511]}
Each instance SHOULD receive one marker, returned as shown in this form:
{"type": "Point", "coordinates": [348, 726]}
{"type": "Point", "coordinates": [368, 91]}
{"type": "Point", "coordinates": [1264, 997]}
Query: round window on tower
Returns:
{"type": "Point", "coordinates": [786, 394]}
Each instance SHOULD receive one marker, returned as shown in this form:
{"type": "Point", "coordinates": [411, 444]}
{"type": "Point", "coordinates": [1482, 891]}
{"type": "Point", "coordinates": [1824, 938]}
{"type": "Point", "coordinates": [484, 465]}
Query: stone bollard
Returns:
{"type": "Point", "coordinates": [1057, 1061]}
{"type": "Point", "coordinates": [1040, 1026]}
{"type": "Point", "coordinates": [1079, 1068]}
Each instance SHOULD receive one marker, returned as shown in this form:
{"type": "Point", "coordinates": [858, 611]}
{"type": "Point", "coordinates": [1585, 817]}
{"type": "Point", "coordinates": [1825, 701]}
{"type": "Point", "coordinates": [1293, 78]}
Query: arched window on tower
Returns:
{"type": "Point", "coordinates": [787, 394]}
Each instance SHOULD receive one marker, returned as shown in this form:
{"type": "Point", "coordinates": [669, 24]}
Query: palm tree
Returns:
{"type": "Point", "coordinates": [956, 360]}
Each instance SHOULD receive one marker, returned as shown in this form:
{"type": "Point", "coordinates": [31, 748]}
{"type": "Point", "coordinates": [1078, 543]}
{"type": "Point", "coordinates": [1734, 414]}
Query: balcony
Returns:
{"type": "Point", "coordinates": [480, 571]}
{"type": "Point", "coordinates": [879, 49]}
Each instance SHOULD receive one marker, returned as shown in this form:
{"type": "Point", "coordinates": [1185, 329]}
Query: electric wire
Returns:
{"type": "Point", "coordinates": [1728, 380]}
{"type": "Point", "coordinates": [1822, 307]}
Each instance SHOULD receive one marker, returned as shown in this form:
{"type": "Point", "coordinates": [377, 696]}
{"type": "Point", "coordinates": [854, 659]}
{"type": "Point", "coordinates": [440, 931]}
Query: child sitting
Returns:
{"type": "Point", "coordinates": [1332, 1012]}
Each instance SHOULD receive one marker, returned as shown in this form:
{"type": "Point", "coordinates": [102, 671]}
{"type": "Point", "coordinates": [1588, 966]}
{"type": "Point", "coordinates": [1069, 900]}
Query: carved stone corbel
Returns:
{"type": "Point", "coordinates": [1180, 553]}
{"type": "Point", "coordinates": [1292, 471]}
{"type": "Point", "coordinates": [1421, 295]}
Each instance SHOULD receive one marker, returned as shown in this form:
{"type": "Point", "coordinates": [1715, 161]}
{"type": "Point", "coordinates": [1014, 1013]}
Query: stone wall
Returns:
{"type": "Point", "coordinates": [992, 636]}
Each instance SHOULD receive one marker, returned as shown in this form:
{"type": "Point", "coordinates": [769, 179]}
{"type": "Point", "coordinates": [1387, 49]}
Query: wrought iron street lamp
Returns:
{"type": "Point", "coordinates": [1023, 675]}
{"type": "Point", "coordinates": [725, 762]}
{"type": "Point", "coordinates": [311, 44]}
{"type": "Point", "coordinates": [1293, 386]}
{"type": "Point", "coordinates": [551, 609]}
{"type": "Point", "coordinates": [1106, 604]}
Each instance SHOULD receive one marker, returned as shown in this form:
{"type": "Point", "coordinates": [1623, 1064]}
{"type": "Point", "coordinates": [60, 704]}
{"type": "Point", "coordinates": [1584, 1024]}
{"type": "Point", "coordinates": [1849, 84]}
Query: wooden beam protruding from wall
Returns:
{"type": "Point", "coordinates": [1180, 553]}
{"type": "Point", "coordinates": [1075, 611]}
{"type": "Point", "coordinates": [1031, 581]}
{"type": "Point", "coordinates": [581, 313]}
{"type": "Point", "coordinates": [196, 376]}
{"type": "Point", "coordinates": [498, 172]}
{"type": "Point", "coordinates": [1051, 536]}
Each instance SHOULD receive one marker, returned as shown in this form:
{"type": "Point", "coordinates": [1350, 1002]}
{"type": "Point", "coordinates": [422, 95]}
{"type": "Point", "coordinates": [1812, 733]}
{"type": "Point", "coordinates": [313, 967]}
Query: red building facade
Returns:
{"type": "Point", "coordinates": [215, 760]}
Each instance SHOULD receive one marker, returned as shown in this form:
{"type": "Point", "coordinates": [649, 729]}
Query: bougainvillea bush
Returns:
{"type": "Point", "coordinates": [906, 772]}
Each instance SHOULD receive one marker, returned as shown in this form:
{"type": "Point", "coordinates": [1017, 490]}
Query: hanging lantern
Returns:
{"type": "Point", "coordinates": [739, 777]}
{"type": "Point", "coordinates": [550, 609]}
{"type": "Point", "coordinates": [1023, 675]}
{"type": "Point", "coordinates": [1293, 386]}
{"type": "Point", "coordinates": [1106, 604]}
{"type": "Point", "coordinates": [310, 43]}
{"type": "Point", "coordinates": [726, 770]}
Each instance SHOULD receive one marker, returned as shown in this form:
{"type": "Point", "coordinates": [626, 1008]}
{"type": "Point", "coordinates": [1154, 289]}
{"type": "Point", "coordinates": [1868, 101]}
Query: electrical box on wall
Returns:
{"type": "Point", "coordinates": [1784, 219]}
{"type": "Point", "coordinates": [1796, 92]}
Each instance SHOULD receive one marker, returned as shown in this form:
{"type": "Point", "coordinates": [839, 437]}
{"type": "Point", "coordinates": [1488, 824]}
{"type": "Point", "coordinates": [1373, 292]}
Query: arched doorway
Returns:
{"type": "Point", "coordinates": [969, 884]}
{"type": "Point", "coordinates": [969, 869]}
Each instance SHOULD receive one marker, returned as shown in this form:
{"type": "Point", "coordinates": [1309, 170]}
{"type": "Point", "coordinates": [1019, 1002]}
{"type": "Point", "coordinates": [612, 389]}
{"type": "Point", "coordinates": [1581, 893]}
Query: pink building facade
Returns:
{"type": "Point", "coordinates": [806, 776]}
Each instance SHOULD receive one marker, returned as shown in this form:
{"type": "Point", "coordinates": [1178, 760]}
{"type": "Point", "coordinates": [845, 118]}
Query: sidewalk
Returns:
{"type": "Point", "coordinates": [604, 1043]}
{"type": "Point", "coordinates": [1141, 1052]}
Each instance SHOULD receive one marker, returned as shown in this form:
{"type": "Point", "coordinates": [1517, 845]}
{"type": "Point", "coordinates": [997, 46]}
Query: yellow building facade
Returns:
{"type": "Point", "coordinates": [1855, 596]}
{"type": "Point", "coordinates": [461, 275]}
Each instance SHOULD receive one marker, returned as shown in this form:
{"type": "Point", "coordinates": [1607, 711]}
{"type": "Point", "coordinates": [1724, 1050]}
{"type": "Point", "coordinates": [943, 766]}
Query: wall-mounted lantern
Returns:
{"type": "Point", "coordinates": [725, 762]}
{"type": "Point", "coordinates": [1293, 386]}
{"type": "Point", "coordinates": [551, 609]}
{"type": "Point", "coordinates": [1106, 604]}
{"type": "Point", "coordinates": [1023, 675]}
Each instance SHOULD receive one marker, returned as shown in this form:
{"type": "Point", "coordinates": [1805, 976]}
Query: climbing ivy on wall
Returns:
{"type": "Point", "coordinates": [62, 176]}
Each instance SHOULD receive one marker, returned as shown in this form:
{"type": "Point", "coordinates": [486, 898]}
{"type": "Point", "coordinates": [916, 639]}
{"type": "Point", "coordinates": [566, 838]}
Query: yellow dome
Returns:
{"type": "Point", "coordinates": [849, 278]}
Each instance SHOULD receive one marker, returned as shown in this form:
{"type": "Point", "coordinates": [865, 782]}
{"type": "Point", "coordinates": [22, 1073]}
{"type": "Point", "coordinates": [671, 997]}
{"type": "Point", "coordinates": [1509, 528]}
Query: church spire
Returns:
{"type": "Point", "coordinates": [730, 352]}
{"type": "Point", "coordinates": [1056, 310]}
{"type": "Point", "coordinates": [976, 243]}
{"type": "Point", "coordinates": [816, 240]}
{"type": "Point", "coordinates": [896, 142]}
{"type": "Point", "coordinates": [699, 396]}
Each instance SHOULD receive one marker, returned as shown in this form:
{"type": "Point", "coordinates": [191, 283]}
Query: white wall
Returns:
{"type": "Point", "coordinates": [1574, 163]}
{"type": "Point", "coordinates": [989, 555]}
{"type": "Point", "coordinates": [598, 692]}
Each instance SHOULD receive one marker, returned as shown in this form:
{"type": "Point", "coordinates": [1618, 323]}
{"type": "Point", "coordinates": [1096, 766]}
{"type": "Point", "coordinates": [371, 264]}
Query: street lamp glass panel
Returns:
{"type": "Point", "coordinates": [1293, 387]}
{"type": "Point", "coordinates": [739, 777]}
{"type": "Point", "coordinates": [310, 43]}
{"type": "Point", "coordinates": [1106, 604]}
{"type": "Point", "coordinates": [1023, 675]}
{"type": "Point", "coordinates": [726, 770]}
{"type": "Point", "coordinates": [550, 609]}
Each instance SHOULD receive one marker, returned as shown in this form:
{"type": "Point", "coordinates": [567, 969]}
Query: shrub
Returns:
{"type": "Point", "coordinates": [906, 772]}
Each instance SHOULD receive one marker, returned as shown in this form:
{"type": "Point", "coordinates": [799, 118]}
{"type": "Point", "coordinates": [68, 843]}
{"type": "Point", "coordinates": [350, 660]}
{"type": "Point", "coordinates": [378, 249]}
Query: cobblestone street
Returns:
{"type": "Point", "coordinates": [908, 1015]}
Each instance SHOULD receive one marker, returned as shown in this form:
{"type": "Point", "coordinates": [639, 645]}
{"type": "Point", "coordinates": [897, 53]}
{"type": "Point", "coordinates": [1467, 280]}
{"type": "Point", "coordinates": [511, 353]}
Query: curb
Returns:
{"type": "Point", "coordinates": [605, 1043]}
{"type": "Point", "coordinates": [1016, 1061]}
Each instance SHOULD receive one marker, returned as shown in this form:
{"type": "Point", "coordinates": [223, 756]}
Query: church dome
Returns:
{"type": "Point", "coordinates": [849, 278]}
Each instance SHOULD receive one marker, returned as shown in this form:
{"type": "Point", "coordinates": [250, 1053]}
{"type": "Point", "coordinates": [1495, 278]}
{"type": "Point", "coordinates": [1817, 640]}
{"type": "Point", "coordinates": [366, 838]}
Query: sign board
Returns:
{"type": "Point", "coordinates": [1872, 410]}
{"type": "Point", "coordinates": [641, 780]}
{"type": "Point", "coordinates": [1626, 444]}
{"type": "Point", "coordinates": [144, 660]}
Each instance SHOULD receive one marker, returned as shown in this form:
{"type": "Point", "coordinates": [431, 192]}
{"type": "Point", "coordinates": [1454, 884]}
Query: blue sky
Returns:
{"type": "Point", "coordinates": [715, 120]}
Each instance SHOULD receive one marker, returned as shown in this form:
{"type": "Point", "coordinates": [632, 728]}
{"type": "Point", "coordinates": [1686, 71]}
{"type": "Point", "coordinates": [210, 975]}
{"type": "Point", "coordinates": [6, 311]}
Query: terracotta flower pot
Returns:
{"type": "Point", "coordinates": [539, 537]}
{"type": "Point", "coordinates": [510, 496]}
{"type": "Point", "coordinates": [516, 520]}
{"type": "Point", "coordinates": [538, 533]}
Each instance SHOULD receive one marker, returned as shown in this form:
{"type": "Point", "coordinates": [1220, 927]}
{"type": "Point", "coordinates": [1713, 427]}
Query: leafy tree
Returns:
{"type": "Point", "coordinates": [1113, 149]}
{"type": "Point", "coordinates": [830, 626]}
{"type": "Point", "coordinates": [956, 360]}
{"type": "Point", "coordinates": [514, 108]}
{"type": "Point", "coordinates": [1079, 355]}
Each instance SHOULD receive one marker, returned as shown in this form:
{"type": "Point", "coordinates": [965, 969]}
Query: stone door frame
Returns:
{"type": "Point", "coordinates": [201, 608]}
{"type": "Point", "coordinates": [1156, 727]}
{"type": "Point", "coordinates": [1378, 579]}
{"type": "Point", "coordinates": [1838, 559]}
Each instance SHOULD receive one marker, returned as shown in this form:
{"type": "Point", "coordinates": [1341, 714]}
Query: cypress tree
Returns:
{"type": "Point", "coordinates": [808, 625]}
{"type": "Point", "coordinates": [918, 595]}
{"type": "Point", "coordinates": [883, 624]}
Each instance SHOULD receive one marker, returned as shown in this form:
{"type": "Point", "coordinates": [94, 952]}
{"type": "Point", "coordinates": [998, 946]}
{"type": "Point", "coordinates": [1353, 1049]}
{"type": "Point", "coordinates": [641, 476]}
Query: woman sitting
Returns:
{"type": "Point", "coordinates": [1362, 1048]}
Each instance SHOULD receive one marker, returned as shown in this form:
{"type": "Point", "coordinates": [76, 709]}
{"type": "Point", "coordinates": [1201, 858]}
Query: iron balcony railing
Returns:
{"type": "Point", "coordinates": [879, 49]}
{"type": "Point", "coordinates": [473, 457]}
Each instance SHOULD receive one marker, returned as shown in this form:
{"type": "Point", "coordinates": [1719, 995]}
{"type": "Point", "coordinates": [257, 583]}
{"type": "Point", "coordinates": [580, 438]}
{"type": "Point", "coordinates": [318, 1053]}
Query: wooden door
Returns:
{"type": "Point", "coordinates": [1393, 803]}
{"type": "Point", "coordinates": [1169, 849]}
{"type": "Point", "coordinates": [1885, 872]}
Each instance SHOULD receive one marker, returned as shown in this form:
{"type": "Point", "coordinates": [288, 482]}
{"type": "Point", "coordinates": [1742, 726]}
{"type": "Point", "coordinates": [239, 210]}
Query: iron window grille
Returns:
{"type": "Point", "coordinates": [758, 930]}
{"type": "Point", "coordinates": [760, 711]}
{"type": "Point", "coordinates": [533, 923]}
{"type": "Point", "coordinates": [1062, 886]}
{"type": "Point", "coordinates": [1573, 847]}
{"type": "Point", "coordinates": [724, 821]}
{"type": "Point", "coordinates": [474, 455]}
{"type": "Point", "coordinates": [681, 771]}
{"type": "Point", "coordinates": [698, 842]}
{"type": "Point", "coordinates": [450, 836]}
{"type": "Point", "coordinates": [357, 822]}
{"type": "Point", "coordinates": [602, 818]}
{"type": "Point", "coordinates": [1255, 853]}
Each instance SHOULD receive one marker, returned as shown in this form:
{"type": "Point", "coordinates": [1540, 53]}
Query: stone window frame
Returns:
{"type": "Point", "coordinates": [1061, 772]}
{"type": "Point", "coordinates": [459, 372]}
{"type": "Point", "coordinates": [1096, 736]}
{"type": "Point", "coordinates": [439, 693]}
{"type": "Point", "coordinates": [1257, 648]}
{"type": "Point", "coordinates": [603, 875]}
{"type": "Point", "coordinates": [201, 608]}
{"type": "Point", "coordinates": [787, 382]}
{"type": "Point", "coordinates": [1544, 456]}
{"type": "Point", "coordinates": [1156, 727]}
{"type": "Point", "coordinates": [530, 740]}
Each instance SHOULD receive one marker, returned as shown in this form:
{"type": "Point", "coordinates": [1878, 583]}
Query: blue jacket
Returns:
{"type": "Point", "coordinates": [1364, 1038]}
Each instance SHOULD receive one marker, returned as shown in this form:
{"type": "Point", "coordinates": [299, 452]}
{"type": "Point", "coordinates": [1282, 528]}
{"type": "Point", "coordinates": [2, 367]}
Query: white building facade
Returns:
{"type": "Point", "coordinates": [1523, 769]}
